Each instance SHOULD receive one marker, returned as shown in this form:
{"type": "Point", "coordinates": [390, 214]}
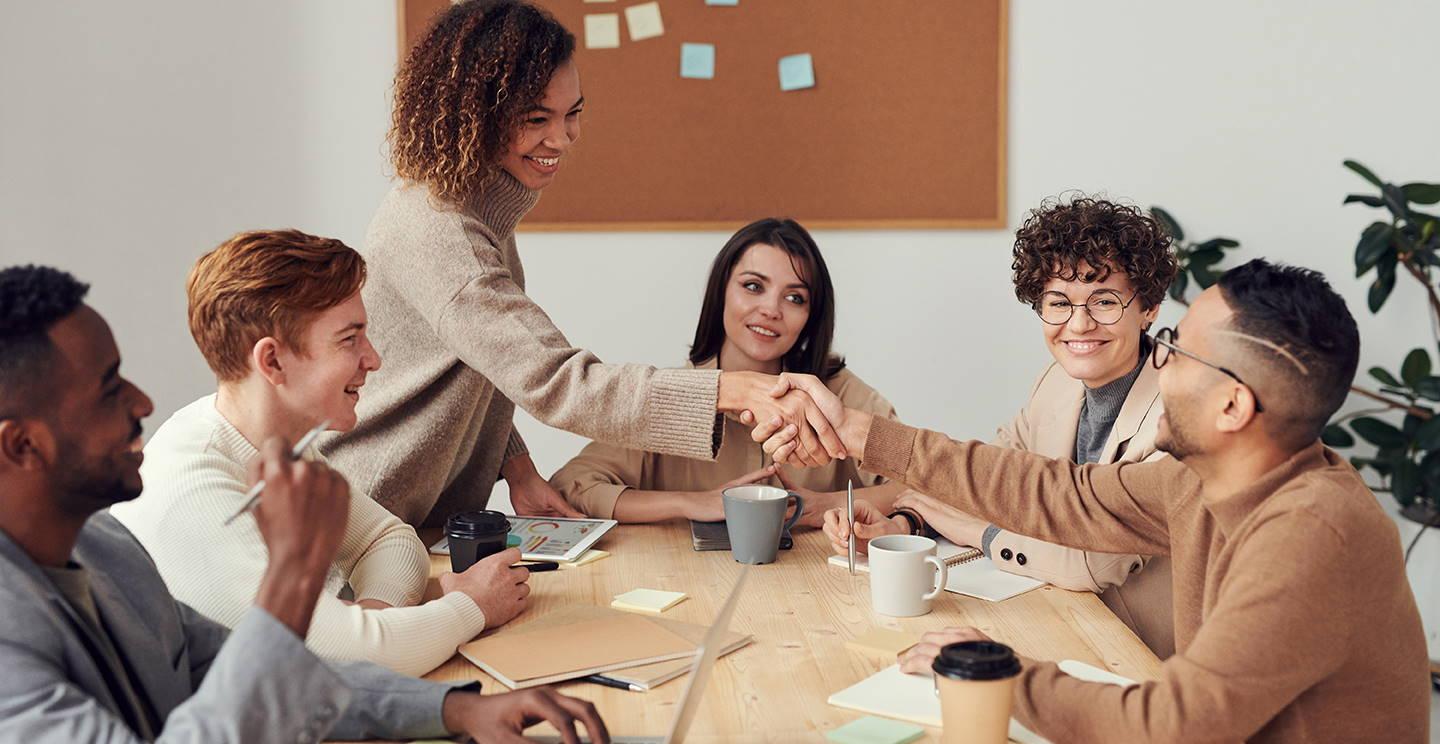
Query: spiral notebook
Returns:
{"type": "Point", "coordinates": [968, 573]}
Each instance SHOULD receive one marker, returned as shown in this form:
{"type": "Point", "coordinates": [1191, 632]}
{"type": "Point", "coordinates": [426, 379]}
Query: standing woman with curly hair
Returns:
{"type": "Point", "coordinates": [1095, 273]}
{"type": "Point", "coordinates": [487, 106]}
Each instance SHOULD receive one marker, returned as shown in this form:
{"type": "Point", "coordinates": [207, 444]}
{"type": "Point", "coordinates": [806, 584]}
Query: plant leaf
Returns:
{"type": "Point", "coordinates": [1422, 193]}
{"type": "Point", "coordinates": [1384, 283]}
{"type": "Point", "coordinates": [1405, 482]}
{"type": "Point", "coordinates": [1366, 199]}
{"type": "Point", "coordinates": [1169, 223]}
{"type": "Point", "coordinates": [1383, 376]}
{"type": "Point", "coordinates": [1204, 276]}
{"type": "Point", "coordinates": [1416, 367]}
{"type": "Point", "coordinates": [1364, 172]}
{"type": "Point", "coordinates": [1336, 436]}
{"type": "Point", "coordinates": [1379, 433]}
{"type": "Point", "coordinates": [1395, 201]}
{"type": "Point", "coordinates": [1427, 437]}
{"type": "Point", "coordinates": [1206, 256]}
{"type": "Point", "coordinates": [1177, 287]}
{"type": "Point", "coordinates": [1428, 388]}
{"type": "Point", "coordinates": [1374, 241]}
{"type": "Point", "coordinates": [1430, 469]}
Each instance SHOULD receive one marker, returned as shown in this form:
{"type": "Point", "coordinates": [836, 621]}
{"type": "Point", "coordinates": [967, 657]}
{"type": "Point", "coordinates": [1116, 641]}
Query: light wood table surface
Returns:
{"type": "Point", "coordinates": [801, 611]}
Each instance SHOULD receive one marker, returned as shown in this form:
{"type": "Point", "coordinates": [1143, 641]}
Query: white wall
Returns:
{"type": "Point", "coordinates": [134, 137]}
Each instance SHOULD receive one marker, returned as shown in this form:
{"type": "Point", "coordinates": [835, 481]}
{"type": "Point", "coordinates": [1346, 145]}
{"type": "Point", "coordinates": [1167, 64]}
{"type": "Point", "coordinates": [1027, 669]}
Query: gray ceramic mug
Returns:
{"type": "Point", "coordinates": [755, 519]}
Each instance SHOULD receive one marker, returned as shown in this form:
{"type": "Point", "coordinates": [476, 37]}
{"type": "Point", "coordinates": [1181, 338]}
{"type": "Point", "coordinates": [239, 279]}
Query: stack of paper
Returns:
{"type": "Point", "coordinates": [529, 658]}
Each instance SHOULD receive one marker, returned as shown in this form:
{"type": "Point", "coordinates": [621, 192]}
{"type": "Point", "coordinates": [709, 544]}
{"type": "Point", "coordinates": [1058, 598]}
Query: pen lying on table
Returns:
{"type": "Point", "coordinates": [539, 566]}
{"type": "Point", "coordinates": [252, 497]}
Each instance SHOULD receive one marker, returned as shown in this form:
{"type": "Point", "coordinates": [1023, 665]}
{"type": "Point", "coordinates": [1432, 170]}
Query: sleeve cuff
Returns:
{"type": "Point", "coordinates": [682, 419]}
{"type": "Point", "coordinates": [598, 501]}
{"type": "Point", "coordinates": [887, 448]}
{"type": "Point", "coordinates": [990, 532]}
{"type": "Point", "coordinates": [514, 446]}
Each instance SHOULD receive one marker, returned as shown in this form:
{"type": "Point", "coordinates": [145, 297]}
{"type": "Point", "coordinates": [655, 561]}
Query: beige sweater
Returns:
{"type": "Point", "coordinates": [1294, 621]}
{"type": "Point", "coordinates": [460, 340]}
{"type": "Point", "coordinates": [595, 478]}
{"type": "Point", "coordinates": [195, 477]}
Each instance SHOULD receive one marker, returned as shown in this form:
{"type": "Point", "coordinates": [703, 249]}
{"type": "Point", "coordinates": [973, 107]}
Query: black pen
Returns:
{"type": "Point", "coordinates": [601, 679]}
{"type": "Point", "coordinates": [539, 566]}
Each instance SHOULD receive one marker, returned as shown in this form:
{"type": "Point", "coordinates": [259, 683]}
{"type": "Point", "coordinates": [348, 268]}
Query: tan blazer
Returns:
{"type": "Point", "coordinates": [1137, 588]}
{"type": "Point", "coordinates": [593, 481]}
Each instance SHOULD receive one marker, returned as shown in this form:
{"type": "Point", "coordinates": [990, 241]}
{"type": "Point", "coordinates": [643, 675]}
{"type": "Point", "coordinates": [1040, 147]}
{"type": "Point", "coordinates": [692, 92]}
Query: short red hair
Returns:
{"type": "Point", "coordinates": [265, 283]}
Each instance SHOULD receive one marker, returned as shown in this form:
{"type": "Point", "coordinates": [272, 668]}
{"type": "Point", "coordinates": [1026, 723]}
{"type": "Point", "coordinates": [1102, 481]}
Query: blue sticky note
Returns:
{"type": "Point", "coordinates": [722, 2]}
{"type": "Point", "coordinates": [697, 61]}
{"type": "Point", "coordinates": [872, 730]}
{"type": "Point", "coordinates": [797, 71]}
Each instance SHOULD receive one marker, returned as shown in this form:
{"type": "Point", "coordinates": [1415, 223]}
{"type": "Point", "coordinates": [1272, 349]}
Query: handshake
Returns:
{"type": "Point", "coordinates": [799, 421]}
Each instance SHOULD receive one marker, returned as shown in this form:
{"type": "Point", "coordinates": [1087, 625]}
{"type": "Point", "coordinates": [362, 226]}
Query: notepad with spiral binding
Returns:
{"type": "Point", "coordinates": [969, 573]}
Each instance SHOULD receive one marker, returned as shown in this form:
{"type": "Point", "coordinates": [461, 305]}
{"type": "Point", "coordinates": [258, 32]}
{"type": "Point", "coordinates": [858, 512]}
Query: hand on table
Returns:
{"type": "Point", "coordinates": [709, 506]}
{"type": "Point", "coordinates": [955, 525]}
{"type": "Point", "coordinates": [816, 502]}
{"type": "Point", "coordinates": [500, 590]}
{"type": "Point", "coordinates": [870, 523]}
{"type": "Point", "coordinates": [918, 658]}
{"type": "Point", "coordinates": [501, 718]}
{"type": "Point", "coordinates": [531, 495]}
{"type": "Point", "coordinates": [760, 398]}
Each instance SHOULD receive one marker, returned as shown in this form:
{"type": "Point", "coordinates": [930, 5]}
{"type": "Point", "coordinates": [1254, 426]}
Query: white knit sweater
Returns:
{"type": "Point", "coordinates": [195, 477]}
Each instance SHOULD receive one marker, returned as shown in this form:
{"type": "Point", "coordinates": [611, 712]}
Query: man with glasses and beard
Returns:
{"type": "Point", "coordinates": [92, 646]}
{"type": "Point", "coordinates": [1293, 617]}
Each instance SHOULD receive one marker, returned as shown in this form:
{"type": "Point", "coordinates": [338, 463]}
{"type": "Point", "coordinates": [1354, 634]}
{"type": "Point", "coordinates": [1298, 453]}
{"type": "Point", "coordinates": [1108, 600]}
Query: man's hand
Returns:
{"type": "Point", "coordinates": [780, 435]}
{"type": "Point", "coordinates": [870, 523]}
{"type": "Point", "coordinates": [753, 396]}
{"type": "Point", "coordinates": [918, 658]}
{"type": "Point", "coordinates": [531, 495]}
{"type": "Point", "coordinates": [499, 589]}
{"type": "Point", "coordinates": [955, 525]}
{"type": "Point", "coordinates": [302, 516]}
{"type": "Point", "coordinates": [500, 719]}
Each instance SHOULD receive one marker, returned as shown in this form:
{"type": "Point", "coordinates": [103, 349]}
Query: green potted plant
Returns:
{"type": "Point", "coordinates": [1197, 260]}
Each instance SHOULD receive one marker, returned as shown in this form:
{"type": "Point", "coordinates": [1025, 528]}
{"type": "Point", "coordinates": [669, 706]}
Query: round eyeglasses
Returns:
{"type": "Point", "coordinates": [1105, 307]}
{"type": "Point", "coordinates": [1165, 344]}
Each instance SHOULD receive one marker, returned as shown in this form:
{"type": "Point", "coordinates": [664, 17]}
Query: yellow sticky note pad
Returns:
{"type": "Point", "coordinates": [882, 641]}
{"type": "Point", "coordinates": [648, 601]}
{"type": "Point", "coordinates": [589, 557]}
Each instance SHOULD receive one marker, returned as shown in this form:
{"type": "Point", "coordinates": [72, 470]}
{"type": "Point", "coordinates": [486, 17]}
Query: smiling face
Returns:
{"type": "Point", "coordinates": [766, 308]}
{"type": "Point", "coordinates": [98, 435]}
{"type": "Point", "coordinates": [1093, 353]}
{"type": "Point", "coordinates": [321, 380]}
{"type": "Point", "coordinates": [537, 150]}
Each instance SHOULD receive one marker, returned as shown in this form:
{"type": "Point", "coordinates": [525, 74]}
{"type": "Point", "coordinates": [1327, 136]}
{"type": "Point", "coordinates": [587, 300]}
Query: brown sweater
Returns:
{"type": "Point", "coordinates": [460, 340]}
{"type": "Point", "coordinates": [595, 478]}
{"type": "Point", "coordinates": [1294, 621]}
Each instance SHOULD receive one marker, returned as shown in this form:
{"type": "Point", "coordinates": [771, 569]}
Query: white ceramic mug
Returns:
{"type": "Point", "coordinates": [902, 582]}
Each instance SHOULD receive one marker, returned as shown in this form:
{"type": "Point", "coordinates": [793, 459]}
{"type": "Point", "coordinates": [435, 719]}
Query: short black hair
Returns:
{"type": "Point", "coordinates": [1296, 309]}
{"type": "Point", "coordinates": [32, 300]}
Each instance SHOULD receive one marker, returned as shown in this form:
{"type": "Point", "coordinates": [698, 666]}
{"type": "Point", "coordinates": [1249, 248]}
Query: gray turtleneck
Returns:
{"type": "Point", "coordinates": [1098, 413]}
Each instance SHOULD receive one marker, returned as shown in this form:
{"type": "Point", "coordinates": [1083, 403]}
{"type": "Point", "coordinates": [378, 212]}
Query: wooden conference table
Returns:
{"type": "Point", "coordinates": [801, 612]}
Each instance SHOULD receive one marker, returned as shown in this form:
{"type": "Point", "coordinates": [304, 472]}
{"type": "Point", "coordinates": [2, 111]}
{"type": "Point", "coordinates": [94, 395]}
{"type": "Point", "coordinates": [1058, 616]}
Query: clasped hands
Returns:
{"type": "Point", "coordinates": [799, 421]}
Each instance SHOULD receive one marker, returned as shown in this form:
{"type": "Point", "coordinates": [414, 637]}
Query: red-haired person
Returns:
{"type": "Point", "coordinates": [279, 319]}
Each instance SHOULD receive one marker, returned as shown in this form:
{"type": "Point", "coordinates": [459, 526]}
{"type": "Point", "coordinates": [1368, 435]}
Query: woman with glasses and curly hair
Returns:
{"type": "Point", "coordinates": [487, 108]}
{"type": "Point", "coordinates": [1095, 273]}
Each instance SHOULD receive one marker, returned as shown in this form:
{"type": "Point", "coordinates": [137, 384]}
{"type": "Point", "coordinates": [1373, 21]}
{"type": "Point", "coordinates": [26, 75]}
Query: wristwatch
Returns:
{"type": "Point", "coordinates": [912, 517]}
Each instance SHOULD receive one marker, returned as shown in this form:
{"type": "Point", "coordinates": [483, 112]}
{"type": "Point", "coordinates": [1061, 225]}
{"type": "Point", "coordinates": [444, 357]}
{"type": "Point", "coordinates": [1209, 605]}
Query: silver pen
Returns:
{"type": "Point", "coordinates": [252, 497]}
{"type": "Point", "coordinates": [850, 507]}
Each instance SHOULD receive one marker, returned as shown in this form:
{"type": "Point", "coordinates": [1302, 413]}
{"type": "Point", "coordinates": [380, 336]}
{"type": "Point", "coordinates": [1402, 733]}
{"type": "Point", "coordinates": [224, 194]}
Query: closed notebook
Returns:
{"type": "Point", "coordinates": [645, 676]}
{"type": "Point", "coordinates": [892, 693]}
{"type": "Point", "coordinates": [529, 658]}
{"type": "Point", "coordinates": [968, 573]}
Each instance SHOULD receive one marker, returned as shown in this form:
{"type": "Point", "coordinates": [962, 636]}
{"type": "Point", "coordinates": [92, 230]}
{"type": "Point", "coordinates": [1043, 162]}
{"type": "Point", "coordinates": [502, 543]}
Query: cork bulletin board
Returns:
{"type": "Point", "coordinates": [904, 127]}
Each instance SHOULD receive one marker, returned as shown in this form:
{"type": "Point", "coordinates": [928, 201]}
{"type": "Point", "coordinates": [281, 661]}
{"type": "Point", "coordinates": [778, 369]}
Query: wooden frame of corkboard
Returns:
{"type": "Point", "coordinates": [906, 127]}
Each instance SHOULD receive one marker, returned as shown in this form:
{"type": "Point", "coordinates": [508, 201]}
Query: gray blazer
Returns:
{"type": "Point", "coordinates": [257, 683]}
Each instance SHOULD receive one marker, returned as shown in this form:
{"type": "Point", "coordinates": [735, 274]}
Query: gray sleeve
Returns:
{"type": "Point", "coordinates": [389, 705]}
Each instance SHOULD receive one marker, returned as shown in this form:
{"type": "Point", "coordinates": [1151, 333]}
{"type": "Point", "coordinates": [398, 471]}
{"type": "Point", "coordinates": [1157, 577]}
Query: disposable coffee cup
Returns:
{"type": "Point", "coordinates": [976, 682]}
{"type": "Point", "coordinates": [474, 536]}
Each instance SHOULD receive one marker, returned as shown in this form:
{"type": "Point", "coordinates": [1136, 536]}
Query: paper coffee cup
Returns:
{"type": "Point", "coordinates": [976, 683]}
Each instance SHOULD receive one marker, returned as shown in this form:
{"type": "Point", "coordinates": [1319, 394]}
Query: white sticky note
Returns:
{"type": "Point", "coordinates": [719, 2]}
{"type": "Point", "coordinates": [602, 31]}
{"type": "Point", "coordinates": [697, 61]}
{"type": "Point", "coordinates": [797, 71]}
{"type": "Point", "coordinates": [649, 601]}
{"type": "Point", "coordinates": [644, 21]}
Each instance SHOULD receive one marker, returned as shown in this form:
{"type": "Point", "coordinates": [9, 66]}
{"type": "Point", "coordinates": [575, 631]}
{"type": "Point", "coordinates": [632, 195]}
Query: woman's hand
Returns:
{"type": "Point", "coordinates": [955, 525]}
{"type": "Point", "coordinates": [918, 658]}
{"type": "Point", "coordinates": [870, 523]}
{"type": "Point", "coordinates": [709, 506]}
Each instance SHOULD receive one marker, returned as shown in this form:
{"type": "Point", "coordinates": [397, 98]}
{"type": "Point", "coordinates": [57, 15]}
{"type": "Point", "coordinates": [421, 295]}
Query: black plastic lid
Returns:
{"type": "Point", "coordinates": [473, 524]}
{"type": "Point", "coordinates": [976, 660]}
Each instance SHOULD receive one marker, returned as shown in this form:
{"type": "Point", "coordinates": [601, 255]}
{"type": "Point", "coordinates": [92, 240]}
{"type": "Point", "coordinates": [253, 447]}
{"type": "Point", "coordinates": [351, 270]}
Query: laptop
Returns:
{"type": "Point", "coordinates": [705, 657]}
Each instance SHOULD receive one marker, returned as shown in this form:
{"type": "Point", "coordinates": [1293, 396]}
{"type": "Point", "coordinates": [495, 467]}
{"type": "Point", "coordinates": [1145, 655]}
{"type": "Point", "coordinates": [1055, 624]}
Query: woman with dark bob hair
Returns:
{"type": "Point", "coordinates": [487, 107]}
{"type": "Point", "coordinates": [1094, 272]}
{"type": "Point", "coordinates": [769, 307]}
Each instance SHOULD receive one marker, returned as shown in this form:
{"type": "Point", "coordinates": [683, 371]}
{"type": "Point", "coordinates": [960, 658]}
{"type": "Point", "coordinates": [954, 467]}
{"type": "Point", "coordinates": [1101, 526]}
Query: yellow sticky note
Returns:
{"type": "Point", "coordinates": [589, 557]}
{"type": "Point", "coordinates": [644, 21]}
{"type": "Point", "coordinates": [602, 31]}
{"type": "Point", "coordinates": [882, 641]}
{"type": "Point", "coordinates": [649, 601]}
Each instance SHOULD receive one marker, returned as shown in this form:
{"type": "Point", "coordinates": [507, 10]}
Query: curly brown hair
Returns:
{"type": "Point", "coordinates": [1061, 234]}
{"type": "Point", "coordinates": [463, 90]}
